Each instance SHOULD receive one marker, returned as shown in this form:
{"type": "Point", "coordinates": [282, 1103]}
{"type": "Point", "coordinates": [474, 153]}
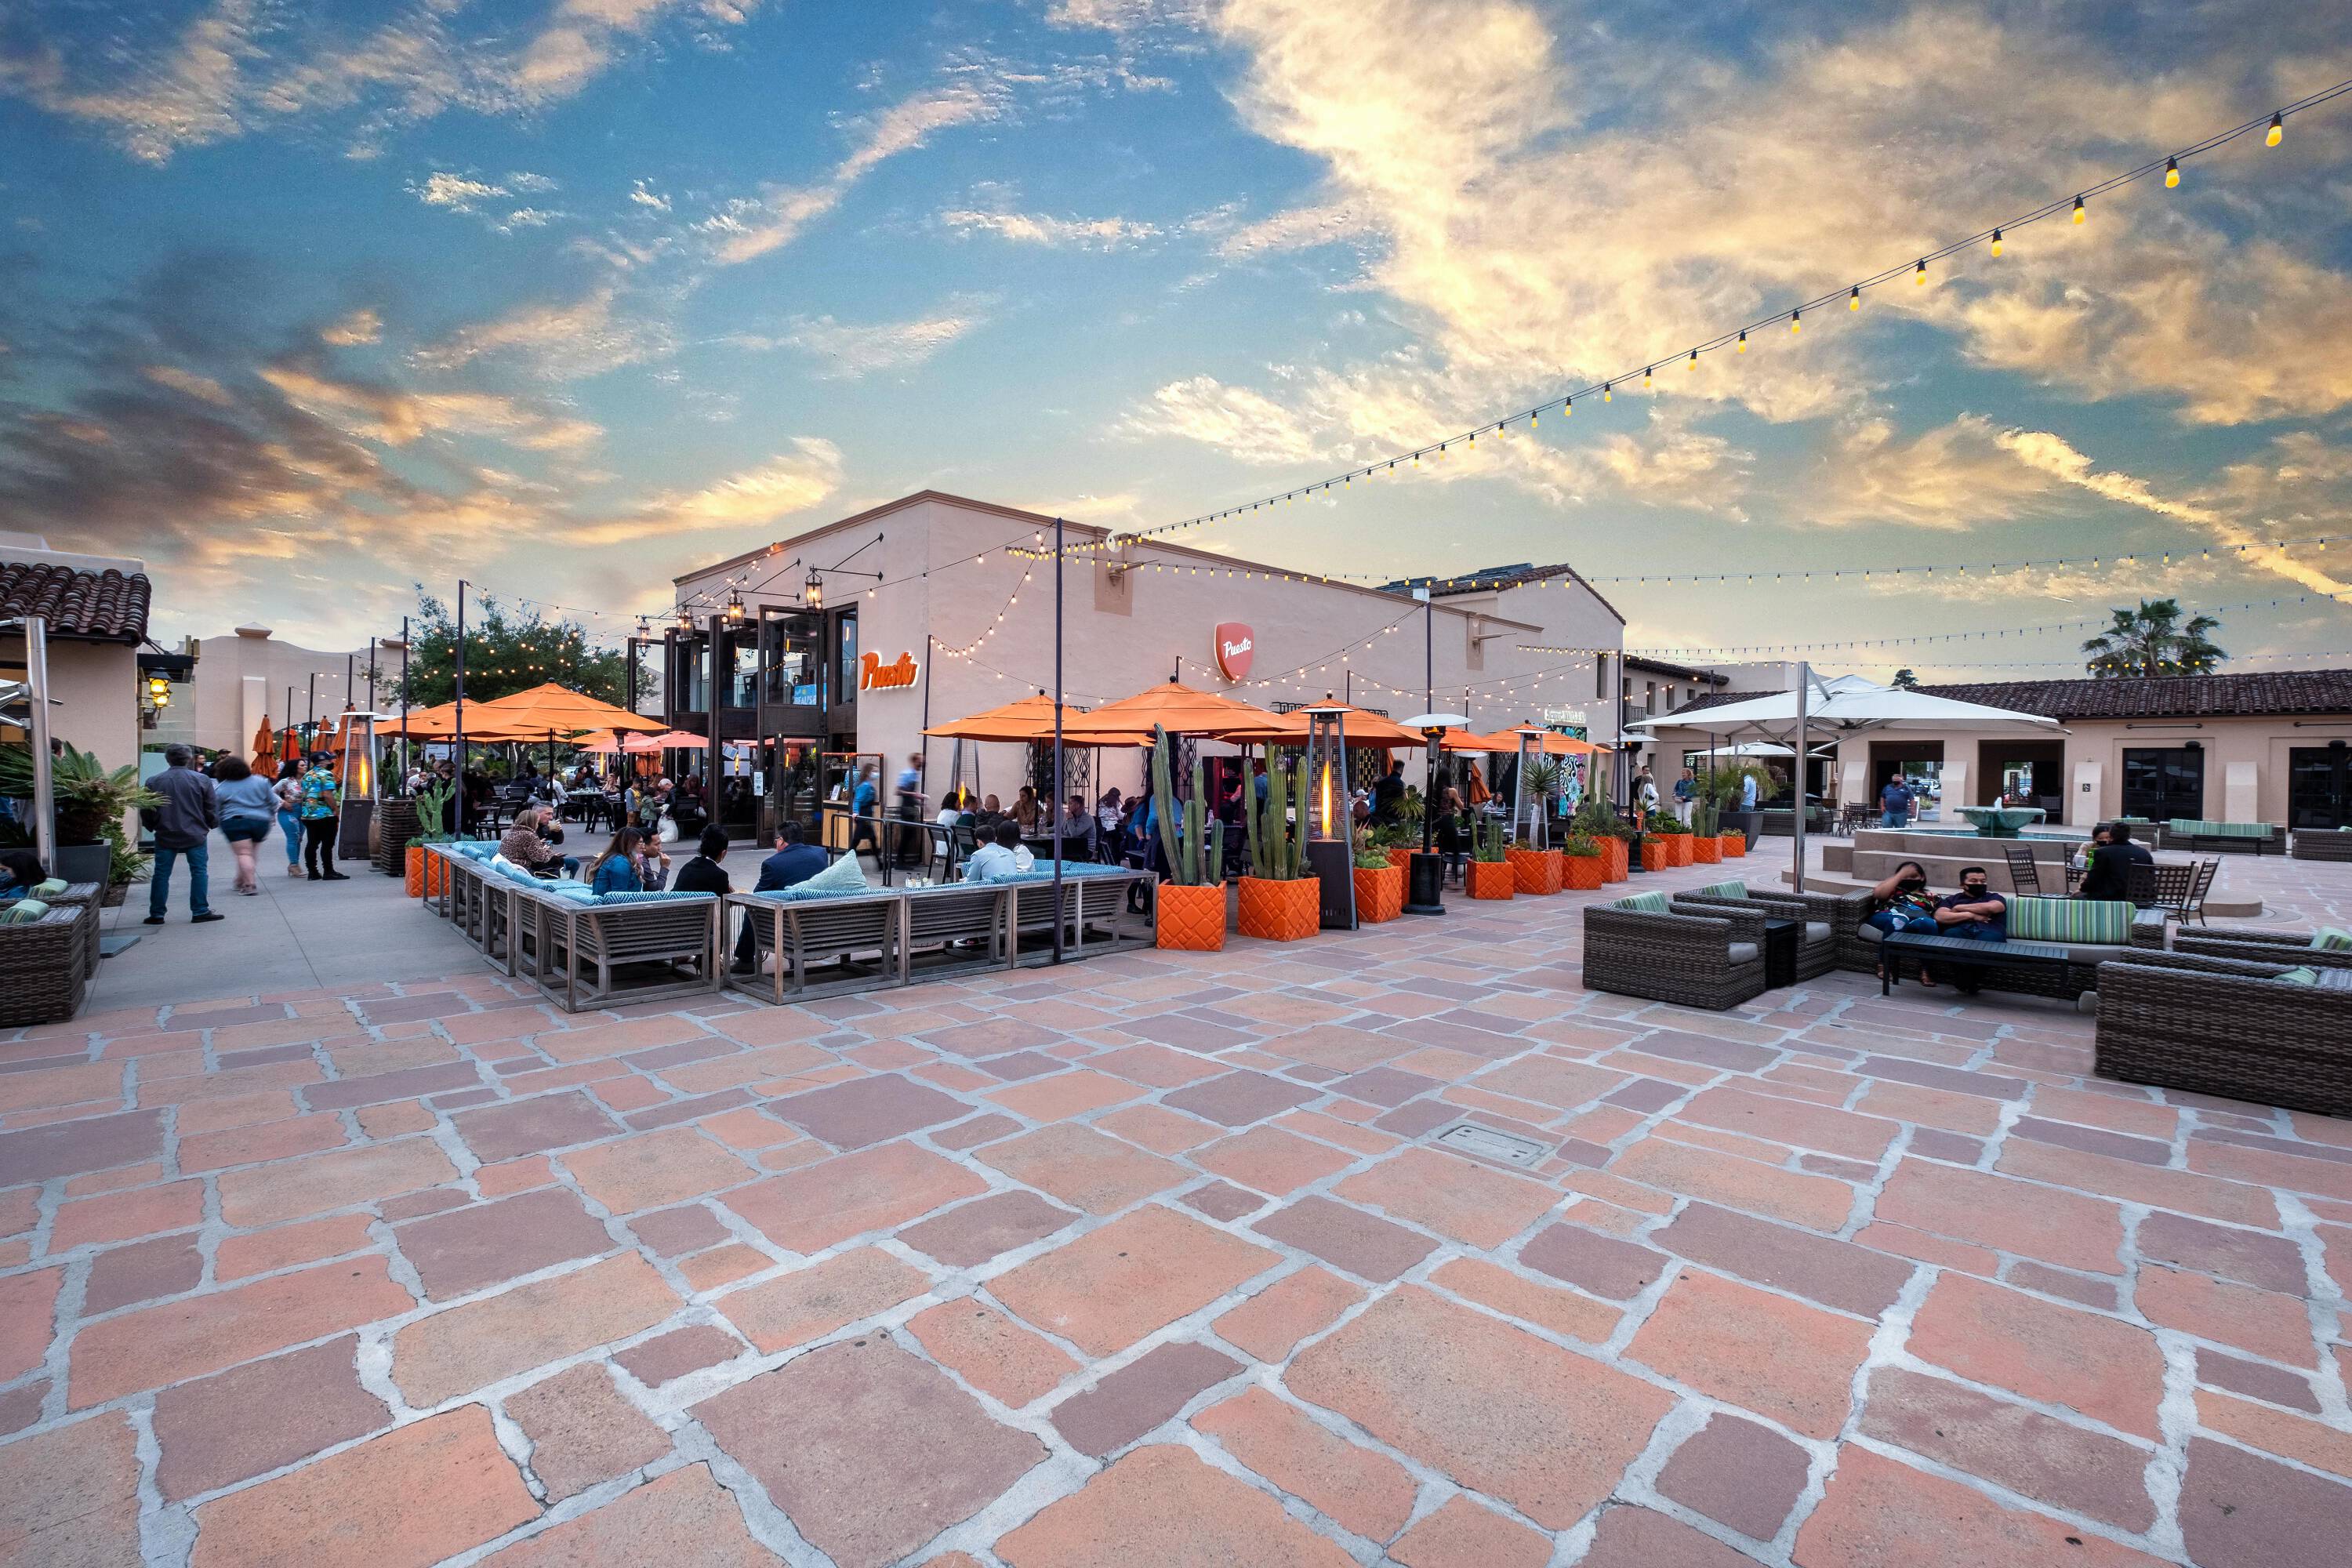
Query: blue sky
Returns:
{"type": "Point", "coordinates": [304, 305]}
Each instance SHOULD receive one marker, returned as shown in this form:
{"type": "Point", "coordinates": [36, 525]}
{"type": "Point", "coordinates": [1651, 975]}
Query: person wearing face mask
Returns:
{"type": "Point", "coordinates": [1903, 903]}
{"type": "Point", "coordinates": [1975, 913]}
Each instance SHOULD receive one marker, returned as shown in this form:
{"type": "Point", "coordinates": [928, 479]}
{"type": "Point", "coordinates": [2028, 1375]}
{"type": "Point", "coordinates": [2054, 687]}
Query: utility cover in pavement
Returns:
{"type": "Point", "coordinates": [1472, 1139]}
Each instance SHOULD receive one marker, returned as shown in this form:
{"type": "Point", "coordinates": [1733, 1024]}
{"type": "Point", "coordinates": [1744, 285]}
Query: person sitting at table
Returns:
{"type": "Point", "coordinates": [1901, 902]}
{"type": "Point", "coordinates": [1024, 810]}
{"type": "Point", "coordinates": [702, 874]}
{"type": "Point", "coordinates": [990, 813]}
{"type": "Point", "coordinates": [615, 870]}
{"type": "Point", "coordinates": [1000, 857]}
{"type": "Point", "coordinates": [2113, 854]}
{"type": "Point", "coordinates": [1076, 830]}
{"type": "Point", "coordinates": [1975, 913]}
{"type": "Point", "coordinates": [652, 863]}
{"type": "Point", "coordinates": [526, 845]}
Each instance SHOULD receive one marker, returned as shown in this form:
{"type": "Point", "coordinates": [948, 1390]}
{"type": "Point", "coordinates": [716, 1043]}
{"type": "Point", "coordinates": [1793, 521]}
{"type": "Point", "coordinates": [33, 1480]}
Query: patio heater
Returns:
{"type": "Point", "coordinates": [1425, 888]}
{"type": "Point", "coordinates": [1527, 815]}
{"type": "Point", "coordinates": [1330, 819]}
{"type": "Point", "coordinates": [355, 767]}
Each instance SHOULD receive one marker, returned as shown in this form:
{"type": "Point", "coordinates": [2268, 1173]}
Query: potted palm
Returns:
{"type": "Point", "coordinates": [1379, 883]}
{"type": "Point", "coordinates": [1489, 874]}
{"type": "Point", "coordinates": [1278, 900]}
{"type": "Point", "coordinates": [1189, 911]}
{"type": "Point", "coordinates": [90, 803]}
{"type": "Point", "coordinates": [1580, 861]}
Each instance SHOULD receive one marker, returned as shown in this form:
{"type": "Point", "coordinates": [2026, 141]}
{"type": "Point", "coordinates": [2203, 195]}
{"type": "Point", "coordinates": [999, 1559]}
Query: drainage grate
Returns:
{"type": "Point", "coordinates": [1472, 1139]}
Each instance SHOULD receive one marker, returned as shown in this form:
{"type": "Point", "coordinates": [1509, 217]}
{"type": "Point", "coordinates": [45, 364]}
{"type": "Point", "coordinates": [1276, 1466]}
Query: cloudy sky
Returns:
{"type": "Point", "coordinates": [307, 303]}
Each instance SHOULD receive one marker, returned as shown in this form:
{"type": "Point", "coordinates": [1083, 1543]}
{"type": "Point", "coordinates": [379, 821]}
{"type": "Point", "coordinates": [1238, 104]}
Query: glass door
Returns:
{"type": "Point", "coordinates": [2165, 785]}
{"type": "Point", "coordinates": [2319, 786]}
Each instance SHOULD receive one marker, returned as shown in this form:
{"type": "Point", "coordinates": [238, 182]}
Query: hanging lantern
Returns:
{"type": "Point", "coordinates": [812, 591]}
{"type": "Point", "coordinates": [734, 607]}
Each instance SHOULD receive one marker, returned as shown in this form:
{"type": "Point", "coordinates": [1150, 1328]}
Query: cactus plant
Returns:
{"type": "Point", "coordinates": [1489, 839]}
{"type": "Point", "coordinates": [1276, 853]}
{"type": "Point", "coordinates": [432, 805]}
{"type": "Point", "coordinates": [1195, 852]}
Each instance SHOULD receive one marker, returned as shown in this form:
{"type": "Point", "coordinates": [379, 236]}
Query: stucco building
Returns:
{"type": "Point", "coordinates": [95, 609]}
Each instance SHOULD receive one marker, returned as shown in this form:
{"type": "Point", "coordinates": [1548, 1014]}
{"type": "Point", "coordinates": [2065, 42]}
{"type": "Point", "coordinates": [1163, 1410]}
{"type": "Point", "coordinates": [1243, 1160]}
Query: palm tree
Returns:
{"type": "Point", "coordinates": [1905, 681]}
{"type": "Point", "coordinates": [2155, 640]}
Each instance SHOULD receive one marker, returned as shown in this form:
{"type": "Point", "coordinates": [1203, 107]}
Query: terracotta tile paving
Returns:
{"type": "Point", "coordinates": [1154, 1260]}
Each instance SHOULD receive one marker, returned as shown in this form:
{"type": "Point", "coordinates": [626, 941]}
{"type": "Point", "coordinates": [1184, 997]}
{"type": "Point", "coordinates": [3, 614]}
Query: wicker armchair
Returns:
{"type": "Point", "coordinates": [46, 963]}
{"type": "Point", "coordinates": [2218, 1027]}
{"type": "Point", "coordinates": [89, 898]}
{"type": "Point", "coordinates": [1700, 960]}
{"type": "Point", "coordinates": [2321, 844]}
{"type": "Point", "coordinates": [1817, 947]}
{"type": "Point", "coordinates": [2253, 944]}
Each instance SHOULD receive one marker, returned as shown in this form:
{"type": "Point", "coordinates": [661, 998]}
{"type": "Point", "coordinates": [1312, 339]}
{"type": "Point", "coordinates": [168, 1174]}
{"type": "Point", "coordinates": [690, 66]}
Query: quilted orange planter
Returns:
{"type": "Point", "coordinates": [1535, 871]}
{"type": "Point", "coordinates": [1678, 849]}
{"type": "Point", "coordinates": [1706, 852]}
{"type": "Point", "coordinates": [1281, 911]}
{"type": "Point", "coordinates": [1655, 856]}
{"type": "Point", "coordinates": [424, 873]}
{"type": "Point", "coordinates": [1401, 854]}
{"type": "Point", "coordinates": [1492, 879]}
{"type": "Point", "coordinates": [1734, 846]}
{"type": "Point", "coordinates": [1379, 895]}
{"type": "Point", "coordinates": [1614, 856]}
{"type": "Point", "coordinates": [1584, 871]}
{"type": "Point", "coordinates": [1191, 919]}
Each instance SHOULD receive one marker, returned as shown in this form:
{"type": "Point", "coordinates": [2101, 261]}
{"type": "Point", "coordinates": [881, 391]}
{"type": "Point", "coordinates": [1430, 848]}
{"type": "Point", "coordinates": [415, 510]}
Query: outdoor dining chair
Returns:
{"type": "Point", "coordinates": [2024, 871]}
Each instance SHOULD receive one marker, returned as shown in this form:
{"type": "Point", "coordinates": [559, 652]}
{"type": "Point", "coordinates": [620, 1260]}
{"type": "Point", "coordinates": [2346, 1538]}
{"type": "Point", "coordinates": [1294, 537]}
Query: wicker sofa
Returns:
{"type": "Point", "coordinates": [2321, 844]}
{"type": "Point", "coordinates": [2145, 934]}
{"type": "Point", "coordinates": [1749, 908]}
{"type": "Point", "coordinates": [2221, 1027]}
{"type": "Point", "coordinates": [2253, 944]}
{"type": "Point", "coordinates": [2234, 838]}
{"type": "Point", "coordinates": [1640, 946]}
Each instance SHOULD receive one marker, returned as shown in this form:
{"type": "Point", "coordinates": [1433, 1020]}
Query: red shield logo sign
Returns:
{"type": "Point", "coordinates": [1235, 647]}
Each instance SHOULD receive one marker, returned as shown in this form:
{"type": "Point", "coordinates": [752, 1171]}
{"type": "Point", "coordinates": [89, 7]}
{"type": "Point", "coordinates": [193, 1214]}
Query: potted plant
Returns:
{"type": "Point", "coordinates": [1379, 883]}
{"type": "Point", "coordinates": [1725, 788]}
{"type": "Point", "coordinates": [424, 871]}
{"type": "Point", "coordinates": [1535, 870]}
{"type": "Point", "coordinates": [1677, 835]}
{"type": "Point", "coordinates": [1705, 835]}
{"type": "Point", "coordinates": [1580, 861]}
{"type": "Point", "coordinates": [1650, 843]}
{"type": "Point", "coordinates": [1278, 901]}
{"type": "Point", "coordinates": [1489, 875]}
{"type": "Point", "coordinates": [1189, 909]}
{"type": "Point", "coordinates": [1596, 819]}
{"type": "Point", "coordinates": [90, 802]}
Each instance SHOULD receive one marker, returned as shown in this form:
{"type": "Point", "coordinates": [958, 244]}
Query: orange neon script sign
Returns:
{"type": "Point", "coordinates": [873, 675]}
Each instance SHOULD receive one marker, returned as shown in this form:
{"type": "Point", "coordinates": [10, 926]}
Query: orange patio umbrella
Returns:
{"type": "Point", "coordinates": [549, 709]}
{"type": "Point", "coordinates": [1550, 742]}
{"type": "Point", "coordinates": [1358, 727]}
{"type": "Point", "coordinates": [1029, 719]}
{"type": "Point", "coordinates": [1465, 741]}
{"type": "Point", "coordinates": [265, 747]}
{"type": "Point", "coordinates": [1171, 706]}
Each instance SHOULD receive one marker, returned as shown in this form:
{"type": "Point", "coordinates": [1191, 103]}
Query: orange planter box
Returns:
{"type": "Point", "coordinates": [1535, 871]}
{"type": "Point", "coordinates": [1191, 919]}
{"type": "Point", "coordinates": [1734, 846]}
{"type": "Point", "coordinates": [1401, 854]}
{"type": "Point", "coordinates": [424, 873]}
{"type": "Point", "coordinates": [1379, 895]}
{"type": "Point", "coordinates": [1491, 878]}
{"type": "Point", "coordinates": [1615, 857]}
{"type": "Point", "coordinates": [1281, 911]}
{"type": "Point", "coordinates": [1655, 856]}
{"type": "Point", "coordinates": [1584, 871]}
{"type": "Point", "coordinates": [1678, 849]}
{"type": "Point", "coordinates": [1706, 852]}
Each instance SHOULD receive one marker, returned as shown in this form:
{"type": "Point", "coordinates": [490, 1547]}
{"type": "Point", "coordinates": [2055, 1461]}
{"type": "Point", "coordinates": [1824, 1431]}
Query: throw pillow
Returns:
{"type": "Point", "coordinates": [2305, 976]}
{"type": "Point", "coordinates": [1725, 889]}
{"type": "Point", "coordinates": [2089, 922]}
{"type": "Point", "coordinates": [49, 889]}
{"type": "Point", "coordinates": [844, 876]}
{"type": "Point", "coordinates": [23, 912]}
{"type": "Point", "coordinates": [2332, 940]}
{"type": "Point", "coordinates": [1645, 903]}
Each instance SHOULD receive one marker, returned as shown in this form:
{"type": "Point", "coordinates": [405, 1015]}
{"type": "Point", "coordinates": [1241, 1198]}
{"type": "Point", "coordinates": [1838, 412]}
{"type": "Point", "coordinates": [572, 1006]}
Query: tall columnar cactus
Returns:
{"type": "Point", "coordinates": [1275, 852]}
{"type": "Point", "coordinates": [1195, 852]}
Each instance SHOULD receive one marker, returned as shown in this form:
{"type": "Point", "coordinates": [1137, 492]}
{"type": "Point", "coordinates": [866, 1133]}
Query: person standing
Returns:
{"type": "Point", "coordinates": [1645, 794]}
{"type": "Point", "coordinates": [911, 838]}
{"type": "Point", "coordinates": [322, 808]}
{"type": "Point", "coordinates": [289, 791]}
{"type": "Point", "coordinates": [247, 805]}
{"type": "Point", "coordinates": [1685, 793]}
{"type": "Point", "coordinates": [186, 815]}
{"type": "Point", "coordinates": [1388, 793]}
{"type": "Point", "coordinates": [1895, 803]}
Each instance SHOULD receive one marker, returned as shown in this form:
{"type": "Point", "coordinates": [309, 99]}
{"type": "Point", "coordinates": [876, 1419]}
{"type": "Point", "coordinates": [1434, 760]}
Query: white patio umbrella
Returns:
{"type": "Point", "coordinates": [1844, 707]}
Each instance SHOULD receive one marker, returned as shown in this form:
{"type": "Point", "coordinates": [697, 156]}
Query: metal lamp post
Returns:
{"type": "Point", "coordinates": [1330, 825]}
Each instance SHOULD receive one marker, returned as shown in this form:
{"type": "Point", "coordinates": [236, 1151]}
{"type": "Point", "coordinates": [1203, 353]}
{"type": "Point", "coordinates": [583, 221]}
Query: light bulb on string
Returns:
{"type": "Point", "coordinates": [2078, 209]}
{"type": "Point", "coordinates": [1853, 298]}
{"type": "Point", "coordinates": [1694, 359]}
{"type": "Point", "coordinates": [2171, 173]}
{"type": "Point", "coordinates": [1996, 242]}
{"type": "Point", "coordinates": [1920, 273]}
{"type": "Point", "coordinates": [1743, 339]}
{"type": "Point", "coordinates": [1607, 393]}
{"type": "Point", "coordinates": [1645, 373]}
{"type": "Point", "coordinates": [1796, 322]}
{"type": "Point", "coordinates": [2277, 130]}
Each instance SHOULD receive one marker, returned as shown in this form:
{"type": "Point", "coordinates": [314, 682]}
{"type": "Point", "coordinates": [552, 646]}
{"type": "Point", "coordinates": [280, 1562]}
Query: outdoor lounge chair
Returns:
{"type": "Point", "coordinates": [2321, 844]}
{"type": "Point", "coordinates": [856, 935]}
{"type": "Point", "coordinates": [90, 899]}
{"type": "Point", "coordinates": [958, 926]}
{"type": "Point", "coordinates": [601, 951]}
{"type": "Point", "coordinates": [1639, 946]}
{"type": "Point", "coordinates": [1841, 912]}
{"type": "Point", "coordinates": [1816, 942]}
{"type": "Point", "coordinates": [2046, 920]}
{"type": "Point", "coordinates": [2257, 944]}
{"type": "Point", "coordinates": [46, 963]}
{"type": "Point", "coordinates": [2235, 837]}
{"type": "Point", "coordinates": [2220, 1026]}
{"type": "Point", "coordinates": [1094, 901]}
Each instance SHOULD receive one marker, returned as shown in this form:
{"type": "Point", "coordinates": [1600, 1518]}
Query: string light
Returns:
{"type": "Point", "coordinates": [1853, 298]}
{"type": "Point", "coordinates": [2277, 131]}
{"type": "Point", "coordinates": [1996, 242]}
{"type": "Point", "coordinates": [1796, 322]}
{"type": "Point", "coordinates": [2078, 209]}
{"type": "Point", "coordinates": [1743, 339]}
{"type": "Point", "coordinates": [2171, 173]}
{"type": "Point", "coordinates": [1920, 273]}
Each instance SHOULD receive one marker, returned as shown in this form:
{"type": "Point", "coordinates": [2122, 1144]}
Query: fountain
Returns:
{"type": "Point", "coordinates": [2000, 821]}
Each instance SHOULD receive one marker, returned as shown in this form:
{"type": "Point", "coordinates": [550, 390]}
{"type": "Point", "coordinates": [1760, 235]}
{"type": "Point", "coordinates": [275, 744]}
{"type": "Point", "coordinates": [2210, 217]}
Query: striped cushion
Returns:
{"type": "Point", "coordinates": [2303, 976]}
{"type": "Point", "coordinates": [1725, 889]}
{"type": "Point", "coordinates": [24, 911]}
{"type": "Point", "coordinates": [2070, 920]}
{"type": "Point", "coordinates": [2222, 829]}
{"type": "Point", "coordinates": [2330, 938]}
{"type": "Point", "coordinates": [1644, 904]}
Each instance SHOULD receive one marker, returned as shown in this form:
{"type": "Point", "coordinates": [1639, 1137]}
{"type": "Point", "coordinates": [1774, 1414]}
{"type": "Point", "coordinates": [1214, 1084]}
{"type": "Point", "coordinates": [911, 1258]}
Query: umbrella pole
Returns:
{"type": "Point", "coordinates": [1797, 825]}
{"type": "Point", "coordinates": [1057, 740]}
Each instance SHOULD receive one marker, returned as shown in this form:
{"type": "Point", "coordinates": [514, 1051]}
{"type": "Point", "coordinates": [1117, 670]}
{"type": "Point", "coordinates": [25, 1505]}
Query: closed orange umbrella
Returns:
{"type": "Point", "coordinates": [1171, 706]}
{"type": "Point", "coordinates": [265, 748]}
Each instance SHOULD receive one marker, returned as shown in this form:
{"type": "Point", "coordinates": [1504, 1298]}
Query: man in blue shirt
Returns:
{"type": "Point", "coordinates": [1895, 803]}
{"type": "Point", "coordinates": [1975, 913]}
{"type": "Point", "coordinates": [862, 802]}
{"type": "Point", "coordinates": [794, 862]}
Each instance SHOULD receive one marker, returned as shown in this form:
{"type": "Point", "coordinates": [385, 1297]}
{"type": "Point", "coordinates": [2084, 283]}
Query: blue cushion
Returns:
{"type": "Point", "coordinates": [608, 899]}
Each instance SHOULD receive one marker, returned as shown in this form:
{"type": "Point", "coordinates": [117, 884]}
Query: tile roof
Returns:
{"type": "Point", "coordinates": [105, 606]}
{"type": "Point", "coordinates": [2249, 696]}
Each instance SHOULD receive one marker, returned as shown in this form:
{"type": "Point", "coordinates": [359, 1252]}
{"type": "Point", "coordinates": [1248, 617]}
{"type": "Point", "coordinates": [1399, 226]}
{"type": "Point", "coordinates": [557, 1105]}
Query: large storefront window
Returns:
{"type": "Point", "coordinates": [793, 649]}
{"type": "Point", "coordinates": [2165, 783]}
{"type": "Point", "coordinates": [844, 662]}
{"type": "Point", "coordinates": [2319, 786]}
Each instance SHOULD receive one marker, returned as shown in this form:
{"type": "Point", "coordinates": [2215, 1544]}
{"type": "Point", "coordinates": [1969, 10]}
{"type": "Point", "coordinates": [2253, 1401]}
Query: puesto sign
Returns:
{"type": "Point", "coordinates": [1236, 646]}
{"type": "Point", "coordinates": [873, 675]}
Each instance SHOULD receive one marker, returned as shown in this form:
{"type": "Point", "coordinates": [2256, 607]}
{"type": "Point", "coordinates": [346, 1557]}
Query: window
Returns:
{"type": "Point", "coordinates": [845, 658]}
{"type": "Point", "coordinates": [1600, 677]}
{"type": "Point", "coordinates": [1649, 697]}
{"type": "Point", "coordinates": [792, 646]}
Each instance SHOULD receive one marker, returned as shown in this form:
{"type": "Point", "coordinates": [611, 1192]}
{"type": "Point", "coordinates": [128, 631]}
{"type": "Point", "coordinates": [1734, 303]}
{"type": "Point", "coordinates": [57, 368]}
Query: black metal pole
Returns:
{"type": "Point", "coordinates": [1058, 826]}
{"type": "Point", "coordinates": [1429, 653]}
{"type": "Point", "coordinates": [403, 704]}
{"type": "Point", "coordinates": [311, 723]}
{"type": "Point", "coordinates": [458, 745]}
{"type": "Point", "coordinates": [711, 744]}
{"type": "Point", "coordinates": [371, 675]}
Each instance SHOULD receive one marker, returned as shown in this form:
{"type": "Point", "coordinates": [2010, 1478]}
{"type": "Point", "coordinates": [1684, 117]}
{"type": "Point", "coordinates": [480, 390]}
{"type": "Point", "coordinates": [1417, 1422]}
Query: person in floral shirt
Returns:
{"type": "Point", "coordinates": [320, 811]}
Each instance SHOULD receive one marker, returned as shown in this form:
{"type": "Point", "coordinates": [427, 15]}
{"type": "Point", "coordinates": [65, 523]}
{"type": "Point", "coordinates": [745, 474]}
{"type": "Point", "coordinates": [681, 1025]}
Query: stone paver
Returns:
{"type": "Point", "coordinates": [1150, 1260]}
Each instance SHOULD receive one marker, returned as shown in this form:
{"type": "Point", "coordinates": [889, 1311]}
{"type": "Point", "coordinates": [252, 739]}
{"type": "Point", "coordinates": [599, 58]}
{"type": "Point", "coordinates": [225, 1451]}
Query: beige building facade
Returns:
{"type": "Point", "coordinates": [95, 610]}
{"type": "Point", "coordinates": [251, 675]}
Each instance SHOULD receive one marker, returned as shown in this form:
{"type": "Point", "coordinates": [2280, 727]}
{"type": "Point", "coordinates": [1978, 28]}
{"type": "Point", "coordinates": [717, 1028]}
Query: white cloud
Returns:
{"type": "Point", "coordinates": [788, 482]}
{"type": "Point", "coordinates": [1027, 228]}
{"type": "Point", "coordinates": [745, 229]}
{"type": "Point", "coordinates": [458, 192]}
{"type": "Point", "coordinates": [585, 337]}
{"type": "Point", "coordinates": [850, 350]}
{"type": "Point", "coordinates": [645, 198]}
{"type": "Point", "coordinates": [1244, 425]}
{"type": "Point", "coordinates": [1958, 476]}
{"type": "Point", "coordinates": [361, 326]}
{"type": "Point", "coordinates": [396, 417]}
{"type": "Point", "coordinates": [202, 387]}
{"type": "Point", "coordinates": [526, 217]}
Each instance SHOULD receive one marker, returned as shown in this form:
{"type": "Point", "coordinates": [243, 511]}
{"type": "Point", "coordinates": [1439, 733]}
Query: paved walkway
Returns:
{"type": "Point", "coordinates": [1156, 1259]}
